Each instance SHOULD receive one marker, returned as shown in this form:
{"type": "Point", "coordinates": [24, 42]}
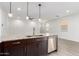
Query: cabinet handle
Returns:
{"type": "Point", "coordinates": [38, 40]}
{"type": "Point", "coordinates": [16, 42]}
{"type": "Point", "coordinates": [25, 49]}
{"type": "Point", "coordinates": [6, 53]}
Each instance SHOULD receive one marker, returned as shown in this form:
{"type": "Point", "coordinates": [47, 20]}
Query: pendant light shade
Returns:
{"type": "Point", "coordinates": [10, 11]}
{"type": "Point", "coordinates": [10, 14]}
{"type": "Point", "coordinates": [39, 13]}
{"type": "Point", "coordinates": [40, 20]}
{"type": "Point", "coordinates": [27, 17]}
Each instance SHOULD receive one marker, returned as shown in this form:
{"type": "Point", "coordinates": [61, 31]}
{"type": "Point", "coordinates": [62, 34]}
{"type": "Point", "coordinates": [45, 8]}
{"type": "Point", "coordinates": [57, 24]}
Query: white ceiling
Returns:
{"type": "Point", "coordinates": [49, 10]}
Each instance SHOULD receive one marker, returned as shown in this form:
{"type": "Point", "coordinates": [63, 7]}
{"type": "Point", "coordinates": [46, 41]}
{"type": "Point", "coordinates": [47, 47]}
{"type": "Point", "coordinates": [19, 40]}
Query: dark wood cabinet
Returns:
{"type": "Point", "coordinates": [43, 47]}
{"type": "Point", "coordinates": [26, 47]}
{"type": "Point", "coordinates": [14, 48]}
{"type": "Point", "coordinates": [37, 47]}
{"type": "Point", "coordinates": [0, 49]}
{"type": "Point", "coordinates": [31, 46]}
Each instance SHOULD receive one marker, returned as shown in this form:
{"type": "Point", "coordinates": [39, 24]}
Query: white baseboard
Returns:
{"type": "Point", "coordinates": [68, 39]}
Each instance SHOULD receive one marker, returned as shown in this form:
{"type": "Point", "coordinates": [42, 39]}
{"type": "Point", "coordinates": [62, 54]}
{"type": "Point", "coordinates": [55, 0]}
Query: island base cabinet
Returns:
{"type": "Point", "coordinates": [26, 47]}
{"type": "Point", "coordinates": [14, 48]}
{"type": "Point", "coordinates": [37, 47]}
{"type": "Point", "coordinates": [32, 51]}
{"type": "Point", "coordinates": [1, 49]}
{"type": "Point", "coordinates": [19, 51]}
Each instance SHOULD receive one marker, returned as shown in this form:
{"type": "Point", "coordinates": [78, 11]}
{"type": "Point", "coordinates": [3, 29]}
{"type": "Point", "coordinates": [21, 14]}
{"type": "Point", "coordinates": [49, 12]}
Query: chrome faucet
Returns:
{"type": "Point", "coordinates": [33, 30]}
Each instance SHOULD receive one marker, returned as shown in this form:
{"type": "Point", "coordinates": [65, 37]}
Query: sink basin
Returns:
{"type": "Point", "coordinates": [33, 35]}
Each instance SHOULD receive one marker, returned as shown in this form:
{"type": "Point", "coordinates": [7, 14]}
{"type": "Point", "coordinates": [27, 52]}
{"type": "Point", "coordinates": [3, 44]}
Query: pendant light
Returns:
{"type": "Point", "coordinates": [39, 12]}
{"type": "Point", "coordinates": [27, 17]}
{"type": "Point", "coordinates": [10, 11]}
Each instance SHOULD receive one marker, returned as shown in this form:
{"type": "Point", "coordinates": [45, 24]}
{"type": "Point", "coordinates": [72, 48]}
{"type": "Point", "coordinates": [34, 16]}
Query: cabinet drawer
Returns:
{"type": "Point", "coordinates": [14, 43]}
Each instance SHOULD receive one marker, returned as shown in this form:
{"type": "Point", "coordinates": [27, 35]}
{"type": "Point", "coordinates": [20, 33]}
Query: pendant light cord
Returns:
{"type": "Point", "coordinates": [10, 7]}
{"type": "Point", "coordinates": [27, 8]}
{"type": "Point", "coordinates": [39, 10]}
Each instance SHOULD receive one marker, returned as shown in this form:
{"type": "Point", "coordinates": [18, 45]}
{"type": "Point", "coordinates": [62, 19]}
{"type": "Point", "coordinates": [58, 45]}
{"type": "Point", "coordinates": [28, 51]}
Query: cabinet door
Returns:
{"type": "Point", "coordinates": [42, 46]}
{"type": "Point", "coordinates": [37, 47]}
{"type": "Point", "coordinates": [0, 50]}
{"type": "Point", "coordinates": [45, 46]}
{"type": "Point", "coordinates": [31, 46]}
{"type": "Point", "coordinates": [14, 48]}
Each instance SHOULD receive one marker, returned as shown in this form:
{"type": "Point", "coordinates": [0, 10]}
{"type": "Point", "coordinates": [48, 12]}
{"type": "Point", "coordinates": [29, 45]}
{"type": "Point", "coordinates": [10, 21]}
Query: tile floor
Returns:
{"type": "Point", "coordinates": [66, 48]}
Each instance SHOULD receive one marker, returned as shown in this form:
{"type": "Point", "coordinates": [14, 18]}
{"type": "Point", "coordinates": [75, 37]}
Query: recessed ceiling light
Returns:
{"type": "Point", "coordinates": [18, 9]}
{"type": "Point", "coordinates": [67, 11]}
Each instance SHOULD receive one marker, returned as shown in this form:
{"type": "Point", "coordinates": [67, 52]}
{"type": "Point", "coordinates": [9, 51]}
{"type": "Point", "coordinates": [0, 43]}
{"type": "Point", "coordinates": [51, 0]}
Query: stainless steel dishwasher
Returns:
{"type": "Point", "coordinates": [52, 43]}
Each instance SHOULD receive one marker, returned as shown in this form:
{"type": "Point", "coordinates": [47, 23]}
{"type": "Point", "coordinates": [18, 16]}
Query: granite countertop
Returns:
{"type": "Point", "coordinates": [20, 38]}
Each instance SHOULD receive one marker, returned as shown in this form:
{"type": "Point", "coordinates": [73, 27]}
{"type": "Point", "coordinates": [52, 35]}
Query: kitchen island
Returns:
{"type": "Point", "coordinates": [27, 46]}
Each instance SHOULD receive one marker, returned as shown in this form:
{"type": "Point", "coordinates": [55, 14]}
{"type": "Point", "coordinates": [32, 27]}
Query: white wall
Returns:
{"type": "Point", "coordinates": [12, 29]}
{"type": "Point", "coordinates": [0, 22]}
{"type": "Point", "coordinates": [16, 27]}
{"type": "Point", "coordinates": [73, 28]}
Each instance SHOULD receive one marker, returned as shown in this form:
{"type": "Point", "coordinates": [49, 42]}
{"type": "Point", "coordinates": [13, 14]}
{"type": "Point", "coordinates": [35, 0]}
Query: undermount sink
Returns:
{"type": "Point", "coordinates": [33, 35]}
